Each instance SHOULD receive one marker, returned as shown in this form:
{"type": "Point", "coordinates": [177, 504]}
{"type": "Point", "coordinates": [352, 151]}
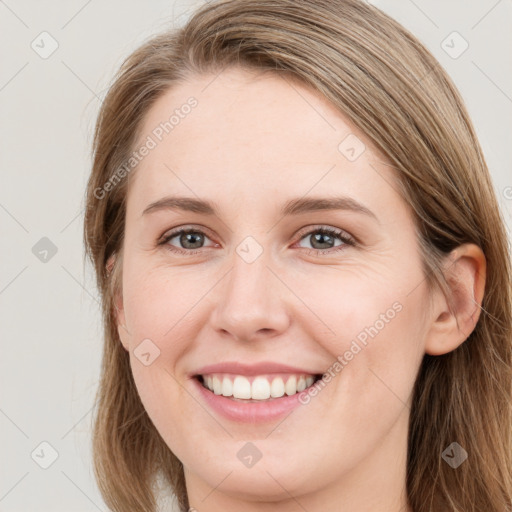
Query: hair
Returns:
{"type": "Point", "coordinates": [388, 85]}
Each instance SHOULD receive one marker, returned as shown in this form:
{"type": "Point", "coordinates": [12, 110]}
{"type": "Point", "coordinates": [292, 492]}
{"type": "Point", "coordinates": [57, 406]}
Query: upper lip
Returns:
{"type": "Point", "coordinates": [261, 368]}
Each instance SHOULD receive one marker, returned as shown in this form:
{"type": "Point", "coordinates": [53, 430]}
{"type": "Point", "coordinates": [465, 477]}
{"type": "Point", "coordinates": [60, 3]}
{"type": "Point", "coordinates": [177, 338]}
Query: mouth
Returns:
{"type": "Point", "coordinates": [256, 388]}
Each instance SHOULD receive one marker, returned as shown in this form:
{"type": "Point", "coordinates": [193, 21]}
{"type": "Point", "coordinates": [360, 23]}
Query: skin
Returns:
{"type": "Point", "coordinates": [251, 144]}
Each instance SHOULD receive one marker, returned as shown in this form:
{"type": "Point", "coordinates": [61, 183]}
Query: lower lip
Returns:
{"type": "Point", "coordinates": [249, 412]}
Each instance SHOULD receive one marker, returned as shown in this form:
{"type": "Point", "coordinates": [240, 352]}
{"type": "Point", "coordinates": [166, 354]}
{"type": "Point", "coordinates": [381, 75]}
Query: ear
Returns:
{"type": "Point", "coordinates": [454, 318]}
{"type": "Point", "coordinates": [113, 270]}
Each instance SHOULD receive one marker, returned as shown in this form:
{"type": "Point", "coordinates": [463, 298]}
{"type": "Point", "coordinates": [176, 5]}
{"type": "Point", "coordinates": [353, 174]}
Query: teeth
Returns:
{"type": "Point", "coordinates": [241, 388]}
{"type": "Point", "coordinates": [217, 386]}
{"type": "Point", "coordinates": [261, 388]}
{"type": "Point", "coordinates": [291, 386]}
{"type": "Point", "coordinates": [227, 387]}
{"type": "Point", "coordinates": [277, 388]}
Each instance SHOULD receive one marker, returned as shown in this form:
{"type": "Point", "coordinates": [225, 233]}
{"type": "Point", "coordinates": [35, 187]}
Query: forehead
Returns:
{"type": "Point", "coordinates": [239, 132]}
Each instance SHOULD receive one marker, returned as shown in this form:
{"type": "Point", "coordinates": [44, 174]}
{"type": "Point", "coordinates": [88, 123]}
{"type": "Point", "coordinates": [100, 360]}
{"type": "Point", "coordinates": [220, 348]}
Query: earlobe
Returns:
{"type": "Point", "coordinates": [110, 264]}
{"type": "Point", "coordinates": [454, 318]}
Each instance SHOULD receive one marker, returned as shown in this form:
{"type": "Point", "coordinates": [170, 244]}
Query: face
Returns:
{"type": "Point", "coordinates": [269, 285]}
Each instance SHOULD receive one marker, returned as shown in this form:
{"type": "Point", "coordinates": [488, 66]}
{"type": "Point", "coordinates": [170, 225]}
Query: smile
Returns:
{"type": "Point", "coordinates": [252, 399]}
{"type": "Point", "coordinates": [257, 388]}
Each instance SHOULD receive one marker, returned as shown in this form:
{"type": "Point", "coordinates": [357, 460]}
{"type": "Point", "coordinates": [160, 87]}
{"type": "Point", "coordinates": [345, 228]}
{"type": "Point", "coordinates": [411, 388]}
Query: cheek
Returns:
{"type": "Point", "coordinates": [373, 324]}
{"type": "Point", "coordinates": [158, 303]}
{"type": "Point", "coordinates": [346, 303]}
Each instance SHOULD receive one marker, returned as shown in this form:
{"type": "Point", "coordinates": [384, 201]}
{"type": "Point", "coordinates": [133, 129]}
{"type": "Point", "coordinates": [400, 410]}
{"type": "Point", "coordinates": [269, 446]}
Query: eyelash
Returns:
{"type": "Point", "coordinates": [335, 233]}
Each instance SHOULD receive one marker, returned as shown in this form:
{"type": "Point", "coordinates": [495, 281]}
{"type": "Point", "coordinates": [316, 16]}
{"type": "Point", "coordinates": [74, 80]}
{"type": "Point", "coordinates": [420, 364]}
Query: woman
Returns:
{"type": "Point", "coordinates": [304, 272]}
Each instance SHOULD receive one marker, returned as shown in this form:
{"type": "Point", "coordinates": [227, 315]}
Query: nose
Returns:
{"type": "Point", "coordinates": [249, 302]}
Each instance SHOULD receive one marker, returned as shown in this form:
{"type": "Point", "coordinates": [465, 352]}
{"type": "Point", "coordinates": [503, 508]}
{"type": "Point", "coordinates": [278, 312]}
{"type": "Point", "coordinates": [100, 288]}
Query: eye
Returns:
{"type": "Point", "coordinates": [322, 240]}
{"type": "Point", "coordinates": [191, 239]}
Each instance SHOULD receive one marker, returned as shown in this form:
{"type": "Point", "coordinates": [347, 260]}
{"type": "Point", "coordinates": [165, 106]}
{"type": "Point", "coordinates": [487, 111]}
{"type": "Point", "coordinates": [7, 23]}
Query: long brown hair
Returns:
{"type": "Point", "coordinates": [388, 84]}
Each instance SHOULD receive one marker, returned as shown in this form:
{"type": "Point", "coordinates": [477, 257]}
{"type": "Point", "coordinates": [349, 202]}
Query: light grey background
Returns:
{"type": "Point", "coordinates": [50, 321]}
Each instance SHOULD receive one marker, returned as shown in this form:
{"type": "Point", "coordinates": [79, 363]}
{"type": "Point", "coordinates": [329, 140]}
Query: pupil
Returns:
{"type": "Point", "coordinates": [318, 238]}
{"type": "Point", "coordinates": [187, 238]}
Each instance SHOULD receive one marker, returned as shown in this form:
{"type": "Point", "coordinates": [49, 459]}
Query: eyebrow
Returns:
{"type": "Point", "coordinates": [291, 207]}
